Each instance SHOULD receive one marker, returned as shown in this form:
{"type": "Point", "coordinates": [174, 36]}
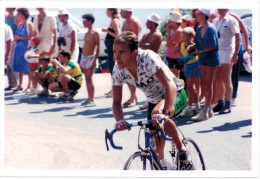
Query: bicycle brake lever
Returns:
{"type": "Point", "coordinates": [106, 137]}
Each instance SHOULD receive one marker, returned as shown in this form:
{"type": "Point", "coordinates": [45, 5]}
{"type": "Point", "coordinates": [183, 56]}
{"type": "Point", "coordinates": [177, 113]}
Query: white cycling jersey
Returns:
{"type": "Point", "coordinates": [148, 63]}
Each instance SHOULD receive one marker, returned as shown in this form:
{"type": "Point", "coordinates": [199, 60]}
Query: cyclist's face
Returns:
{"type": "Point", "coordinates": [122, 55]}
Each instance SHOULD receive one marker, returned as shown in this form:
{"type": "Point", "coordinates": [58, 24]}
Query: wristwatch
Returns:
{"type": "Point", "coordinates": [166, 112]}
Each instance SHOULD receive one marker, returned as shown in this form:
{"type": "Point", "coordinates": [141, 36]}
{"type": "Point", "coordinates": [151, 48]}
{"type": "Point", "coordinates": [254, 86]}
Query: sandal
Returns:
{"type": "Point", "coordinates": [127, 104]}
{"type": "Point", "coordinates": [17, 89]}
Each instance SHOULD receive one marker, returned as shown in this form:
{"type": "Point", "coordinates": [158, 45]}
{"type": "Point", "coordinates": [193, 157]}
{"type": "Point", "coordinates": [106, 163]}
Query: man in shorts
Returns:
{"type": "Point", "coordinates": [89, 57]}
{"type": "Point", "coordinates": [229, 44]}
{"type": "Point", "coordinates": [45, 27]}
{"type": "Point", "coordinates": [166, 96]}
{"type": "Point", "coordinates": [70, 79]}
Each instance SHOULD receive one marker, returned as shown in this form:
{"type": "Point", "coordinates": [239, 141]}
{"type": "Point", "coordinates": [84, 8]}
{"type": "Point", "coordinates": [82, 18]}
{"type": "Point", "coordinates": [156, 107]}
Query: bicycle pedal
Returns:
{"type": "Point", "coordinates": [173, 153]}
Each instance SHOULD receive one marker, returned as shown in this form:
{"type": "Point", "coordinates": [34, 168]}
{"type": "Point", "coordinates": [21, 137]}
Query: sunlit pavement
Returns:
{"type": "Point", "coordinates": [45, 133]}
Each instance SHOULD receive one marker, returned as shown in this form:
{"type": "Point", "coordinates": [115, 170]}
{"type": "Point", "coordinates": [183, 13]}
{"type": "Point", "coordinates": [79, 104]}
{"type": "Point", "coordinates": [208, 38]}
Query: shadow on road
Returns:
{"type": "Point", "coordinates": [230, 127]}
{"type": "Point", "coordinates": [89, 112]}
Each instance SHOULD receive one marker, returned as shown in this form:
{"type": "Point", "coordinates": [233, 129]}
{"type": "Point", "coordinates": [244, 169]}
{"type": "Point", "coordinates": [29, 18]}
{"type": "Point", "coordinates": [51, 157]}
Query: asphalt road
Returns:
{"type": "Point", "coordinates": [44, 133]}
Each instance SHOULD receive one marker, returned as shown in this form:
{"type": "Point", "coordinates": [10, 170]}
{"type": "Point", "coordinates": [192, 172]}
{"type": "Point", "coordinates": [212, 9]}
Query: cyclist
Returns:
{"type": "Point", "coordinates": [165, 93]}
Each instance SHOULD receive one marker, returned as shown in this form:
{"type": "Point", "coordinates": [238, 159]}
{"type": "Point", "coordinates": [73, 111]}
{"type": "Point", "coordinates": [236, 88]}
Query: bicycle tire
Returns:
{"type": "Point", "coordinates": [195, 153]}
{"type": "Point", "coordinates": [137, 157]}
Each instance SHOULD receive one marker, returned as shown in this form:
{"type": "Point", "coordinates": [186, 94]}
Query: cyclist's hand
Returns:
{"type": "Point", "coordinates": [157, 118]}
{"type": "Point", "coordinates": [122, 125]}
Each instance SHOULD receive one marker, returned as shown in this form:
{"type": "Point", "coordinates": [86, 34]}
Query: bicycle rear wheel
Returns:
{"type": "Point", "coordinates": [139, 162]}
{"type": "Point", "coordinates": [195, 153]}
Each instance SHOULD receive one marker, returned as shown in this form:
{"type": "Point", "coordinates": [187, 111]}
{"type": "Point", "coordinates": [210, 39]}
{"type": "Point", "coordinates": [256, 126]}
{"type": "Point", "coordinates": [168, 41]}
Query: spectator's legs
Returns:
{"type": "Point", "coordinates": [207, 78]}
{"type": "Point", "coordinates": [89, 83]}
{"type": "Point", "coordinates": [65, 79]}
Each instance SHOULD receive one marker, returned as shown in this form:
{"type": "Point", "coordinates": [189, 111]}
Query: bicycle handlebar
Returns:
{"type": "Point", "coordinates": [109, 136]}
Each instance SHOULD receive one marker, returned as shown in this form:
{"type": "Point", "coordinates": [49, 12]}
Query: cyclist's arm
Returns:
{"type": "Point", "coordinates": [117, 100]}
{"type": "Point", "coordinates": [170, 88]}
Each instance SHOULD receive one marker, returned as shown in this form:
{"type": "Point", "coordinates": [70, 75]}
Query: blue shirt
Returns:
{"type": "Point", "coordinates": [210, 39]}
{"type": "Point", "coordinates": [11, 23]}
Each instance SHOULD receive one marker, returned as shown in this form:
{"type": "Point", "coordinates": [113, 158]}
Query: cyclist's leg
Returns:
{"type": "Point", "coordinates": [159, 144]}
{"type": "Point", "coordinates": [169, 126]}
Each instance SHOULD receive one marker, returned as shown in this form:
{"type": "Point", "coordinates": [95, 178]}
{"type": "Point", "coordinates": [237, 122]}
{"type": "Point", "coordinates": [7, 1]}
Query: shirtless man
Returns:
{"type": "Point", "coordinates": [89, 57]}
{"type": "Point", "coordinates": [132, 24]}
{"type": "Point", "coordinates": [151, 40]}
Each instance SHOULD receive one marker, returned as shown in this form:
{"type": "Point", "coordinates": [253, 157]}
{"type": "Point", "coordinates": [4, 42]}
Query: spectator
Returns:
{"type": "Point", "coordinates": [70, 79]}
{"type": "Point", "coordinates": [131, 24]}
{"type": "Point", "coordinates": [151, 40]}
{"type": "Point", "coordinates": [229, 44]}
{"type": "Point", "coordinates": [32, 57]}
{"type": "Point", "coordinates": [46, 29]}
{"type": "Point", "coordinates": [45, 74]}
{"type": "Point", "coordinates": [173, 40]}
{"type": "Point", "coordinates": [187, 21]}
{"type": "Point", "coordinates": [112, 31]}
{"type": "Point", "coordinates": [8, 50]}
{"type": "Point", "coordinates": [23, 34]}
{"type": "Point", "coordinates": [207, 43]}
{"type": "Point", "coordinates": [12, 76]}
{"type": "Point", "coordinates": [236, 67]}
{"type": "Point", "coordinates": [192, 73]}
{"type": "Point", "coordinates": [89, 57]}
{"type": "Point", "coordinates": [67, 35]}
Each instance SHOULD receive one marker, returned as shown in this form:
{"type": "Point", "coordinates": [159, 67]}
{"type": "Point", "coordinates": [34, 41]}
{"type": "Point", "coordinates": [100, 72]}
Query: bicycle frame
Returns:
{"type": "Point", "coordinates": [148, 151]}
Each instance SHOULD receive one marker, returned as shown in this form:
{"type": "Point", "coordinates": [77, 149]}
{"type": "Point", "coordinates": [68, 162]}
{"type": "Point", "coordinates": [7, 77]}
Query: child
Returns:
{"type": "Point", "coordinates": [32, 56]}
{"type": "Point", "coordinates": [44, 75]}
{"type": "Point", "coordinates": [191, 72]}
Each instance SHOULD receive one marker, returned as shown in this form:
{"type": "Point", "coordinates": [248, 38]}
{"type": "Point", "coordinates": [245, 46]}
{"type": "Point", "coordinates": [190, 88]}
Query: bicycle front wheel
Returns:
{"type": "Point", "coordinates": [137, 161]}
{"type": "Point", "coordinates": [195, 153]}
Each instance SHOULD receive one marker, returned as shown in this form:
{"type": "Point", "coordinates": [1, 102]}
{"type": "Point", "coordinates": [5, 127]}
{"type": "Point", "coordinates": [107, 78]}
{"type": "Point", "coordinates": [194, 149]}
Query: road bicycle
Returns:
{"type": "Point", "coordinates": [146, 158]}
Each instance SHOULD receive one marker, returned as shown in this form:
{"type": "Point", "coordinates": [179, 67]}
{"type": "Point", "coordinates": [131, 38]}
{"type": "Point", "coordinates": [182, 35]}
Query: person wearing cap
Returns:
{"type": "Point", "coordinates": [132, 24]}
{"type": "Point", "coordinates": [151, 40]}
{"type": "Point", "coordinates": [45, 27]}
{"type": "Point", "coordinates": [187, 21]}
{"type": "Point", "coordinates": [206, 40]}
{"type": "Point", "coordinates": [90, 53]}
{"type": "Point", "coordinates": [32, 56]}
{"type": "Point", "coordinates": [68, 34]}
{"type": "Point", "coordinates": [173, 40]}
{"type": "Point", "coordinates": [112, 31]}
{"type": "Point", "coordinates": [229, 45]}
{"type": "Point", "coordinates": [22, 35]}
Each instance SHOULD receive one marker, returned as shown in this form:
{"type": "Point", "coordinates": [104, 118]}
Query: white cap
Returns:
{"type": "Point", "coordinates": [175, 17]}
{"type": "Point", "coordinates": [62, 12]}
{"type": "Point", "coordinates": [154, 18]}
{"type": "Point", "coordinates": [127, 9]}
{"type": "Point", "coordinates": [187, 17]}
{"type": "Point", "coordinates": [206, 12]}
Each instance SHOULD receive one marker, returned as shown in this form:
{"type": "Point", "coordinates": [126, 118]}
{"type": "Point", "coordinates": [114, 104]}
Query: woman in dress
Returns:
{"type": "Point", "coordinates": [22, 35]}
{"type": "Point", "coordinates": [112, 31]}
